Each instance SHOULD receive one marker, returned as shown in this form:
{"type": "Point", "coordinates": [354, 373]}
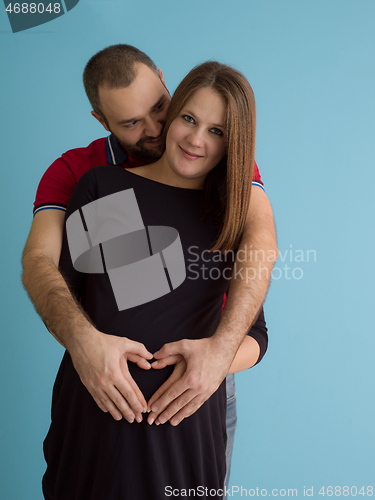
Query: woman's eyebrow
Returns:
{"type": "Point", "coordinates": [186, 110]}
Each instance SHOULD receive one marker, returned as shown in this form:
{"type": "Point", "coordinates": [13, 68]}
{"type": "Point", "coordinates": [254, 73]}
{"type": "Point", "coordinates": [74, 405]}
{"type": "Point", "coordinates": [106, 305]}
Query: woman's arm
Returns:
{"type": "Point", "coordinates": [247, 355]}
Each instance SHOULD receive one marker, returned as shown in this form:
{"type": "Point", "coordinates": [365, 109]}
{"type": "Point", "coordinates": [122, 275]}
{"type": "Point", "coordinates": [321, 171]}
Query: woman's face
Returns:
{"type": "Point", "coordinates": [196, 140]}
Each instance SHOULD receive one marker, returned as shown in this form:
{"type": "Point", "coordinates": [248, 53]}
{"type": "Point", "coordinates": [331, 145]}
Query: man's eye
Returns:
{"type": "Point", "coordinates": [188, 118]}
{"type": "Point", "coordinates": [160, 106]}
{"type": "Point", "coordinates": [217, 131]}
{"type": "Point", "coordinates": [131, 124]}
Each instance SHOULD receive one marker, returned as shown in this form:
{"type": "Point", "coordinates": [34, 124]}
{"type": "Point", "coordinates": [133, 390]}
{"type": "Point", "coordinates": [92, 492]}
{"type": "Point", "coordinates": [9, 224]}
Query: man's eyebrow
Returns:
{"type": "Point", "coordinates": [160, 101]}
{"type": "Point", "coordinates": [126, 122]}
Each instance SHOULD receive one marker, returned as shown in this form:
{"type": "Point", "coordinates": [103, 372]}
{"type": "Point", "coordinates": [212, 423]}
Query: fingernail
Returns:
{"type": "Point", "coordinates": [154, 409]}
{"type": "Point", "coordinates": [151, 421]}
{"type": "Point", "coordinates": [162, 420]}
{"type": "Point", "coordinates": [157, 422]}
{"type": "Point", "coordinates": [175, 421]}
{"type": "Point", "coordinates": [130, 419]}
{"type": "Point", "coordinates": [139, 419]}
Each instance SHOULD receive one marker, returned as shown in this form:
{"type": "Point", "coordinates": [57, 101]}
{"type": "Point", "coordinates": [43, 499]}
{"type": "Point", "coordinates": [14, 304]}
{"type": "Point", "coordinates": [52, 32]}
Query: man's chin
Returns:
{"type": "Point", "coordinates": [146, 153]}
{"type": "Point", "coordinates": [150, 154]}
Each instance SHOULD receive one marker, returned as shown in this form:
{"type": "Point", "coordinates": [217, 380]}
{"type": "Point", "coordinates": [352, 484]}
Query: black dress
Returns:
{"type": "Point", "coordinates": [89, 455]}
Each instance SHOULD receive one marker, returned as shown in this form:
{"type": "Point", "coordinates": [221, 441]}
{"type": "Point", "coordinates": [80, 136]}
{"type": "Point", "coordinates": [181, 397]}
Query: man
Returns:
{"type": "Point", "coordinates": [130, 99]}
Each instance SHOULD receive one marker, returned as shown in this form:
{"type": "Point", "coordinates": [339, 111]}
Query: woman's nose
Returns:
{"type": "Point", "coordinates": [196, 138]}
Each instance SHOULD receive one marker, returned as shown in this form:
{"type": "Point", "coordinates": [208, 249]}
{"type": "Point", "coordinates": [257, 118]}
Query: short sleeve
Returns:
{"type": "Point", "coordinates": [259, 332]}
{"type": "Point", "coordinates": [257, 179]}
{"type": "Point", "coordinates": [55, 187]}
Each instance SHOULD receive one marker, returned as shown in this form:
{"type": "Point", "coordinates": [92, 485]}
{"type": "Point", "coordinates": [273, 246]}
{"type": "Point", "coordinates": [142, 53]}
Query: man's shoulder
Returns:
{"type": "Point", "coordinates": [59, 180]}
{"type": "Point", "coordinates": [95, 152]}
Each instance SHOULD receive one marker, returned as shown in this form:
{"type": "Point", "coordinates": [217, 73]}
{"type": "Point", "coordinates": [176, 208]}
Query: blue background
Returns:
{"type": "Point", "coordinates": [306, 413]}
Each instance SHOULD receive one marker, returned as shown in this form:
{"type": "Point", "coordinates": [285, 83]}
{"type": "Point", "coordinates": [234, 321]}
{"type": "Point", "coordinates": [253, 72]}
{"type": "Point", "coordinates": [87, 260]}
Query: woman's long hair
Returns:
{"type": "Point", "coordinates": [228, 184]}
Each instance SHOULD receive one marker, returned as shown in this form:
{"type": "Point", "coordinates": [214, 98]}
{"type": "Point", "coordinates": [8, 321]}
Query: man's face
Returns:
{"type": "Point", "coordinates": [136, 114]}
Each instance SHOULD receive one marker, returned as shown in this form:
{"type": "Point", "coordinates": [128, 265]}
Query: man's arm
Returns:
{"type": "Point", "coordinates": [208, 360]}
{"type": "Point", "coordinates": [99, 359]}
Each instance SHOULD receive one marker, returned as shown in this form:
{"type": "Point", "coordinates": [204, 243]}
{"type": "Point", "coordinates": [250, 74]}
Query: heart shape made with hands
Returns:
{"type": "Point", "coordinates": [179, 369]}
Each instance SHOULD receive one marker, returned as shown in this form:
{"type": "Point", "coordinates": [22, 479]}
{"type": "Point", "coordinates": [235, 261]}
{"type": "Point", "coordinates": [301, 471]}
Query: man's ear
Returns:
{"type": "Point", "coordinates": [100, 119]}
{"type": "Point", "coordinates": [162, 78]}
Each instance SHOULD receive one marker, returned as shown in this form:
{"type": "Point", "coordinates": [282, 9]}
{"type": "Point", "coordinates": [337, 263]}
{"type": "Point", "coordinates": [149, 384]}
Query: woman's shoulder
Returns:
{"type": "Point", "coordinates": [105, 178]}
{"type": "Point", "coordinates": [96, 183]}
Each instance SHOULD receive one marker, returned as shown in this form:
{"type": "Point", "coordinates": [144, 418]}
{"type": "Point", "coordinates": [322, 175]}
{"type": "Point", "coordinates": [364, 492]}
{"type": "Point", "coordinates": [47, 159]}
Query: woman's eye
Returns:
{"type": "Point", "coordinates": [188, 118]}
{"type": "Point", "coordinates": [217, 131]}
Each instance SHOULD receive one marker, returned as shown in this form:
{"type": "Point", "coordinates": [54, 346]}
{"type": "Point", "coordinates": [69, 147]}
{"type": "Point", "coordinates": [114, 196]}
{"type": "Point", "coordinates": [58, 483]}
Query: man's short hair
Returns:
{"type": "Point", "coordinates": [113, 67]}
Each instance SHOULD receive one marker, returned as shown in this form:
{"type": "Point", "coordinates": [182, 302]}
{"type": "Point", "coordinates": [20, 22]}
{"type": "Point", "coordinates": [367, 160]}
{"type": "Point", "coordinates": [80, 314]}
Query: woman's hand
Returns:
{"type": "Point", "coordinates": [179, 369]}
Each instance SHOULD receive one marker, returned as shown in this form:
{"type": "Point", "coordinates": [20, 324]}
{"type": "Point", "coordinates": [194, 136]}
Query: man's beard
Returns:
{"type": "Point", "coordinates": [141, 150]}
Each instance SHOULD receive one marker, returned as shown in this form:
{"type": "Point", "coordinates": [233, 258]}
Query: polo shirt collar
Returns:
{"type": "Point", "coordinates": [116, 154]}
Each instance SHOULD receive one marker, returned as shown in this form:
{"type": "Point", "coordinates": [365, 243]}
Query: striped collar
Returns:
{"type": "Point", "coordinates": [115, 153]}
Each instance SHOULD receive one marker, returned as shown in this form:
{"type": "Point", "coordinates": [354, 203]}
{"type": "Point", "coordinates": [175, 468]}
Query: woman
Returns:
{"type": "Point", "coordinates": [168, 231]}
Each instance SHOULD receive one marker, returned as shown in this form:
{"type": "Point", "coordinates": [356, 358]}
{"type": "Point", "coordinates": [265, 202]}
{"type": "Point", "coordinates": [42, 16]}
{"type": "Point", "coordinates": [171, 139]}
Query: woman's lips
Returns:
{"type": "Point", "coordinates": [190, 156]}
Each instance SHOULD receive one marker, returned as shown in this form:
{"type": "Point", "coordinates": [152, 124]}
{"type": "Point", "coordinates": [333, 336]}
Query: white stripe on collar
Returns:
{"type": "Point", "coordinates": [111, 151]}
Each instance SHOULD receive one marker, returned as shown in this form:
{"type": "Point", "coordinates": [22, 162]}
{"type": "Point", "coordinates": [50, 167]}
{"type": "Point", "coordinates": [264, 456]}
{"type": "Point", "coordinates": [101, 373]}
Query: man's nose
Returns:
{"type": "Point", "coordinates": [153, 128]}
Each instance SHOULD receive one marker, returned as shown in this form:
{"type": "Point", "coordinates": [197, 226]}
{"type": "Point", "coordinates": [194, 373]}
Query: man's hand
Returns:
{"type": "Point", "coordinates": [102, 364]}
{"type": "Point", "coordinates": [201, 366]}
